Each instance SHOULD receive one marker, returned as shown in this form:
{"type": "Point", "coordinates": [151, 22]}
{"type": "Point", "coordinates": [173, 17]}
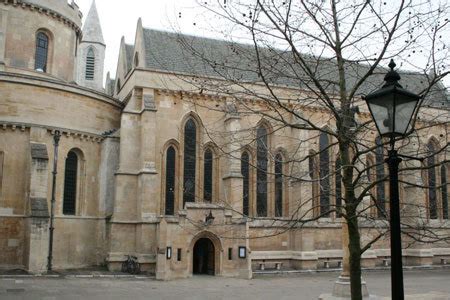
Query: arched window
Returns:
{"type": "Point", "coordinates": [245, 170]}
{"type": "Point", "coordinates": [170, 181]}
{"type": "Point", "coordinates": [278, 185]}
{"type": "Point", "coordinates": [208, 175]}
{"type": "Point", "coordinates": [380, 201]}
{"type": "Point", "coordinates": [432, 194]}
{"type": "Point", "coordinates": [444, 191]}
{"type": "Point", "coordinates": [324, 173]}
{"type": "Point", "coordinates": [261, 172]}
{"type": "Point", "coordinates": [40, 58]}
{"type": "Point", "coordinates": [90, 65]}
{"type": "Point", "coordinates": [70, 184]}
{"type": "Point", "coordinates": [338, 187]}
{"type": "Point", "coordinates": [190, 152]}
{"type": "Point", "coordinates": [312, 170]}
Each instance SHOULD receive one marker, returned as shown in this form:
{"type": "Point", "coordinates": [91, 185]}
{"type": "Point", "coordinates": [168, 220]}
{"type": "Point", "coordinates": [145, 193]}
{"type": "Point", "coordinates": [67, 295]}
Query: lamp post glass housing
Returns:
{"type": "Point", "coordinates": [392, 107]}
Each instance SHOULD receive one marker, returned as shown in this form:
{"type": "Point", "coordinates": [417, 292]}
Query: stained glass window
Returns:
{"type": "Point", "coordinates": [444, 191]}
{"type": "Point", "coordinates": [432, 195]}
{"type": "Point", "coordinates": [170, 181]}
{"type": "Point", "coordinates": [380, 200]}
{"type": "Point", "coordinates": [190, 152]}
{"type": "Point", "coordinates": [40, 61]}
{"type": "Point", "coordinates": [245, 170]}
{"type": "Point", "coordinates": [261, 172]}
{"type": "Point", "coordinates": [324, 172]}
{"type": "Point", "coordinates": [278, 185]}
{"type": "Point", "coordinates": [338, 187]}
{"type": "Point", "coordinates": [208, 175]}
{"type": "Point", "coordinates": [70, 184]}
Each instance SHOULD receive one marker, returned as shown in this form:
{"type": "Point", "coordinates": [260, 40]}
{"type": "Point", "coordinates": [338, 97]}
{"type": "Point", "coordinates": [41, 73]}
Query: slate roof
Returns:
{"type": "Point", "coordinates": [201, 56]}
{"type": "Point", "coordinates": [129, 50]}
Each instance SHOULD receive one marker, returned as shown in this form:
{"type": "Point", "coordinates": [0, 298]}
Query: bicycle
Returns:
{"type": "Point", "coordinates": [131, 265]}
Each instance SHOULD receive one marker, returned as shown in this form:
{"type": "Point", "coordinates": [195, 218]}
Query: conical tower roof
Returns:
{"type": "Point", "coordinates": [92, 30]}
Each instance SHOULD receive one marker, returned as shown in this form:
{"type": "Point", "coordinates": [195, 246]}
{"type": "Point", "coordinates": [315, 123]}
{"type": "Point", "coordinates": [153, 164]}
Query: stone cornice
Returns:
{"type": "Point", "coordinates": [65, 132]}
{"type": "Point", "coordinates": [49, 12]}
{"type": "Point", "coordinates": [43, 82]}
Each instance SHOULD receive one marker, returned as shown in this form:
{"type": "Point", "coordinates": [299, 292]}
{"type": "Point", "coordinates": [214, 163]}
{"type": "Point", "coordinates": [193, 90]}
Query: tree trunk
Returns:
{"type": "Point", "coordinates": [355, 257]}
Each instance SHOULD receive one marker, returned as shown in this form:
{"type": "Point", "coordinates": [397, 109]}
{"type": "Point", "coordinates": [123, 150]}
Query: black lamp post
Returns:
{"type": "Point", "coordinates": [56, 139]}
{"type": "Point", "coordinates": [392, 108]}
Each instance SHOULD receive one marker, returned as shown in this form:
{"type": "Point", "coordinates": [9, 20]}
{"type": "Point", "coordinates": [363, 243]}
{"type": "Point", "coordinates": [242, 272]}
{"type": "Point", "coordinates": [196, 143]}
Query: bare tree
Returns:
{"type": "Point", "coordinates": [304, 66]}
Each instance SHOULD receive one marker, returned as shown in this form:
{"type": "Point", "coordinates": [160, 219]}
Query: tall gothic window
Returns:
{"type": "Point", "coordinates": [70, 184]}
{"type": "Point", "coordinates": [261, 172]}
{"type": "Point", "coordinates": [90, 65]}
{"type": "Point", "coordinates": [444, 191]}
{"type": "Point", "coordinates": [190, 152]}
{"type": "Point", "coordinates": [170, 181]}
{"type": "Point", "coordinates": [278, 185]}
{"type": "Point", "coordinates": [40, 59]}
{"type": "Point", "coordinates": [338, 187]}
{"type": "Point", "coordinates": [432, 194]}
{"type": "Point", "coordinates": [324, 173]}
{"type": "Point", "coordinates": [208, 175]}
{"type": "Point", "coordinates": [245, 170]}
{"type": "Point", "coordinates": [380, 200]}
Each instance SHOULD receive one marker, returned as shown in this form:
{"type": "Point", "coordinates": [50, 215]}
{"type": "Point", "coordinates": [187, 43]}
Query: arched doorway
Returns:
{"type": "Point", "coordinates": [204, 257]}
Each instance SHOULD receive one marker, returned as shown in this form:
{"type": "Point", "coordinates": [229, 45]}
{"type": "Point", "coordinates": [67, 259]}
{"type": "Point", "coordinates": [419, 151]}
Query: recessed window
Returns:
{"type": "Point", "coordinates": [208, 175]}
{"type": "Point", "coordinates": [70, 183]}
{"type": "Point", "coordinates": [444, 191]}
{"type": "Point", "coordinates": [278, 185]}
{"type": "Point", "coordinates": [41, 55]}
{"type": "Point", "coordinates": [170, 181]}
{"type": "Point", "coordinates": [90, 65]}
{"type": "Point", "coordinates": [230, 253]}
{"type": "Point", "coordinates": [179, 254]}
{"type": "Point", "coordinates": [380, 200]}
{"type": "Point", "coordinates": [338, 187]}
{"type": "Point", "coordinates": [261, 171]}
{"type": "Point", "coordinates": [324, 173]}
{"type": "Point", "coordinates": [432, 193]}
{"type": "Point", "coordinates": [245, 170]}
{"type": "Point", "coordinates": [190, 152]}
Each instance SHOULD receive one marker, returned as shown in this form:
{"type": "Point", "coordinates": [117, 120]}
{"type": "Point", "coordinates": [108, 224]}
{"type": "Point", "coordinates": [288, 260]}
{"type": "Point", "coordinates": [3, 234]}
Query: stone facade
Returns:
{"type": "Point", "coordinates": [120, 136]}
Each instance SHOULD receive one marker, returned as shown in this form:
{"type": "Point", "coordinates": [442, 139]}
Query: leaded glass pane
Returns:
{"type": "Point", "coordinates": [380, 201]}
{"type": "Point", "coordinates": [170, 181]}
{"type": "Point", "coordinates": [208, 175]}
{"type": "Point", "coordinates": [338, 184]}
{"type": "Point", "coordinates": [70, 184]}
{"type": "Point", "coordinates": [432, 195]}
{"type": "Point", "coordinates": [245, 170]}
{"type": "Point", "coordinates": [190, 151]}
{"type": "Point", "coordinates": [261, 172]}
{"type": "Point", "coordinates": [278, 186]}
{"type": "Point", "coordinates": [324, 172]}
{"type": "Point", "coordinates": [444, 190]}
{"type": "Point", "coordinates": [40, 60]}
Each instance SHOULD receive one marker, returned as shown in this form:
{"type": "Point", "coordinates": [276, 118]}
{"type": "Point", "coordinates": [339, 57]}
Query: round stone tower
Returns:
{"type": "Point", "coordinates": [39, 36]}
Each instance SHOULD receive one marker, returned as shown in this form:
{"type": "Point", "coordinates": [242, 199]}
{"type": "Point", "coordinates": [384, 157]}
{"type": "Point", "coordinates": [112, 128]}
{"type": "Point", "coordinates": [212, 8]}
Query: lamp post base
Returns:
{"type": "Point", "coordinates": [341, 290]}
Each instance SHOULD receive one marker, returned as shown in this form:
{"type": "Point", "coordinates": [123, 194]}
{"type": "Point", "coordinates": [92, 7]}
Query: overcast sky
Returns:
{"type": "Point", "coordinates": [119, 18]}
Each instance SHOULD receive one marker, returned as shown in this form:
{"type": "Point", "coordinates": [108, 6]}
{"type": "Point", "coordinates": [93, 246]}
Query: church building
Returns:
{"type": "Point", "coordinates": [151, 166]}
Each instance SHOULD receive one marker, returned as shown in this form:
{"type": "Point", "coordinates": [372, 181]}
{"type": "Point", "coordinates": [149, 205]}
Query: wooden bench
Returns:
{"type": "Point", "coordinates": [277, 264]}
{"type": "Point", "coordinates": [326, 263]}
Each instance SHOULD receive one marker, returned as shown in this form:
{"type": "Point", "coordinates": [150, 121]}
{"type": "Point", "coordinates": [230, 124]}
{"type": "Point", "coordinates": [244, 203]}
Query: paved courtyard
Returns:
{"type": "Point", "coordinates": [300, 286]}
